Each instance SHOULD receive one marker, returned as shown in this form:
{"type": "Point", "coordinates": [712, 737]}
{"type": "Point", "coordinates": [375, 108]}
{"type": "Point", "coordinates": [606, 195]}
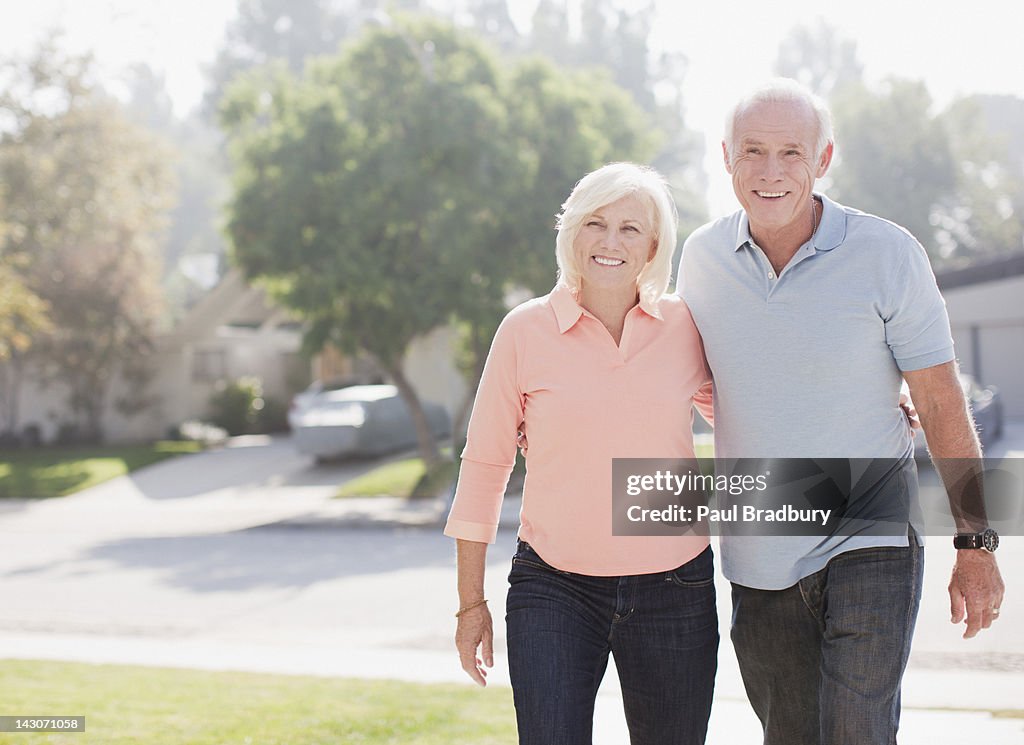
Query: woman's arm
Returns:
{"type": "Point", "coordinates": [475, 628]}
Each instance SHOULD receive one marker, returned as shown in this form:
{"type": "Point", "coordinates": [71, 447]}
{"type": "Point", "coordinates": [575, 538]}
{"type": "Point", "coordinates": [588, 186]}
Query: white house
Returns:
{"type": "Point", "coordinates": [235, 331]}
{"type": "Point", "coordinates": [986, 312]}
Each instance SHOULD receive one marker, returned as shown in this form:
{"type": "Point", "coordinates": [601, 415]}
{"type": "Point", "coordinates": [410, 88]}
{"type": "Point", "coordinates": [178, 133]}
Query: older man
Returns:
{"type": "Point", "coordinates": [812, 313]}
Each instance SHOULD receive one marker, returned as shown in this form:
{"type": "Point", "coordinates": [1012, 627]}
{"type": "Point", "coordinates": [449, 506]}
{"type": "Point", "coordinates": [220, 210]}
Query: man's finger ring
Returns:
{"type": "Point", "coordinates": [995, 611]}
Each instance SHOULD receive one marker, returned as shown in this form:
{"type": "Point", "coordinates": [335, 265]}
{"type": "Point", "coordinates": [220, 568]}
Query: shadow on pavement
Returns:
{"type": "Point", "coordinates": [273, 463]}
{"type": "Point", "coordinates": [261, 559]}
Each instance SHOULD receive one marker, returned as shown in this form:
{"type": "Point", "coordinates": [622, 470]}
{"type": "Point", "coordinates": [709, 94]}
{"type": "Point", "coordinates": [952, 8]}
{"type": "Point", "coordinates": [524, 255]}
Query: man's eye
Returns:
{"type": "Point", "coordinates": [593, 224]}
{"type": "Point", "coordinates": [634, 228]}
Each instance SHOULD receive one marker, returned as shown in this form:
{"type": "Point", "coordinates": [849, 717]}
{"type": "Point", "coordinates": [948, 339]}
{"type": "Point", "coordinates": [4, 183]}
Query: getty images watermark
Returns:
{"type": "Point", "coordinates": [806, 496]}
{"type": "Point", "coordinates": [675, 484]}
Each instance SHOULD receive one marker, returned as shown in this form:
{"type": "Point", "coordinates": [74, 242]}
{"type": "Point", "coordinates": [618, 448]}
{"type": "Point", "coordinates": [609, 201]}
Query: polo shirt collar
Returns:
{"type": "Point", "coordinates": [568, 311]}
{"type": "Point", "coordinates": [832, 229]}
{"type": "Point", "coordinates": [830, 234]}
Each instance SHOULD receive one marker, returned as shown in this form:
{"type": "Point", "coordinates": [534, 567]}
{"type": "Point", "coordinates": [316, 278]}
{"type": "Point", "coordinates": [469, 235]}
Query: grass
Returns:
{"type": "Point", "coordinates": [408, 477]}
{"type": "Point", "coordinates": [401, 478]}
{"type": "Point", "coordinates": [55, 472]}
{"type": "Point", "coordinates": [169, 707]}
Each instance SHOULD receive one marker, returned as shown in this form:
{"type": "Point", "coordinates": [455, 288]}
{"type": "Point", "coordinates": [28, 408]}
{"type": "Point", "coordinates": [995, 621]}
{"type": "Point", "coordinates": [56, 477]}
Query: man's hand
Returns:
{"type": "Point", "coordinates": [975, 589]}
{"type": "Point", "coordinates": [476, 630]}
{"type": "Point", "coordinates": [521, 442]}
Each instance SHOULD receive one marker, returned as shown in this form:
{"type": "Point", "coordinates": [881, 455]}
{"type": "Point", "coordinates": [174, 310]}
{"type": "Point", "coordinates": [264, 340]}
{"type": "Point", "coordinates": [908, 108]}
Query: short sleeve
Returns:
{"type": "Point", "coordinates": [916, 322]}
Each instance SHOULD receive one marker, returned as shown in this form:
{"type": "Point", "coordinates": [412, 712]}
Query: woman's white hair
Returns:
{"type": "Point", "coordinates": [600, 188]}
{"type": "Point", "coordinates": [781, 90]}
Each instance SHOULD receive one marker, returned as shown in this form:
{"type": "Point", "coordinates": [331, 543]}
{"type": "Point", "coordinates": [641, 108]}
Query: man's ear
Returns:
{"type": "Point", "coordinates": [725, 157]}
{"type": "Point", "coordinates": [825, 160]}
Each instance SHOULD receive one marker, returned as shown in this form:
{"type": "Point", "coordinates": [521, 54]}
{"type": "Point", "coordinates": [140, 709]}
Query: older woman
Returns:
{"type": "Point", "coordinates": [605, 366]}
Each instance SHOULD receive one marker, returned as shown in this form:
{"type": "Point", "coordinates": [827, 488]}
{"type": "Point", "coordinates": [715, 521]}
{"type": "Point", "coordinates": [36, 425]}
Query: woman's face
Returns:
{"type": "Point", "coordinates": [614, 244]}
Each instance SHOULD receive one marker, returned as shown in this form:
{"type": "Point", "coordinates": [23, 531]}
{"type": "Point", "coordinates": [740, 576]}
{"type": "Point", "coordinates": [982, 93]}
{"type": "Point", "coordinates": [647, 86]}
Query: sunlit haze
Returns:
{"type": "Point", "coordinates": [957, 48]}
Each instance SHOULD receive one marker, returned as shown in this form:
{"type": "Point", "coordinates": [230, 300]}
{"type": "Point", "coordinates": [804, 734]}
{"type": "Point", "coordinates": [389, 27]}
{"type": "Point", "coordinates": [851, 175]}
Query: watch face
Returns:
{"type": "Point", "coordinates": [990, 539]}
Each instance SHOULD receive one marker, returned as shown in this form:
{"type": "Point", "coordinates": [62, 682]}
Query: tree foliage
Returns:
{"type": "Point", "coordinates": [409, 181]}
{"type": "Point", "coordinates": [85, 190]}
{"type": "Point", "coordinates": [951, 177]}
{"type": "Point", "coordinates": [192, 249]}
{"type": "Point", "coordinates": [277, 30]}
{"type": "Point", "coordinates": [985, 216]}
{"type": "Point", "coordinates": [895, 157]}
{"type": "Point", "coordinates": [820, 58]}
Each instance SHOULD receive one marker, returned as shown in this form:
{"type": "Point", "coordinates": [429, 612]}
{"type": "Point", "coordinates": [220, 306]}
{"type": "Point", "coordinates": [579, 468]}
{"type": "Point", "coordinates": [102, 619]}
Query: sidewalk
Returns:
{"type": "Point", "coordinates": [940, 707]}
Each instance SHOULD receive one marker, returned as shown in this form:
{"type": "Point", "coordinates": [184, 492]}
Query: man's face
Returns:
{"type": "Point", "coordinates": [773, 166]}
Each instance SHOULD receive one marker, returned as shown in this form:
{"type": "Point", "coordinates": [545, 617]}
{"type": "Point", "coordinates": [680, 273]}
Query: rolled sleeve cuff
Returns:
{"type": "Point", "coordinates": [476, 510]}
{"type": "Point", "coordinates": [467, 531]}
{"type": "Point", "coordinates": [922, 361]}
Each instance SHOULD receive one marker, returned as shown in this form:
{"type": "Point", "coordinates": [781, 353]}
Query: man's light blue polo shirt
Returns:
{"type": "Point", "coordinates": [808, 364]}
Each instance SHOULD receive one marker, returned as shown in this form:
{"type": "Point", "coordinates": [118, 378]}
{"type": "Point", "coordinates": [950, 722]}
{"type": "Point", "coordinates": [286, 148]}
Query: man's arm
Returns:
{"type": "Point", "coordinates": [976, 586]}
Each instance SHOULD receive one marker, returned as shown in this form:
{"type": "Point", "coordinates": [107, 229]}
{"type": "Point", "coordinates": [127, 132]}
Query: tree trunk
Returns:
{"type": "Point", "coordinates": [424, 436]}
{"type": "Point", "coordinates": [10, 393]}
{"type": "Point", "coordinates": [461, 423]}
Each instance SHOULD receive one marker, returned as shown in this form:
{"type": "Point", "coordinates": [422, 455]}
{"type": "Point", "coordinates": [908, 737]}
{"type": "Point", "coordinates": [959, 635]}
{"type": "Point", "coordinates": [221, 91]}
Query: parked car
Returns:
{"type": "Point", "coordinates": [361, 420]}
{"type": "Point", "coordinates": [987, 406]}
{"type": "Point", "coordinates": [302, 399]}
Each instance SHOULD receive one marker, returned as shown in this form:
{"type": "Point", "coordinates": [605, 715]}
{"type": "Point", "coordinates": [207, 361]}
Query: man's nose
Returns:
{"type": "Point", "coordinates": [772, 169]}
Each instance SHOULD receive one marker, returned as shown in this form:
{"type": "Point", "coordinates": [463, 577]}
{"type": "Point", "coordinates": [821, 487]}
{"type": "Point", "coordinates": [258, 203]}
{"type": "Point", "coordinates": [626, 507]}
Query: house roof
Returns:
{"type": "Point", "coordinates": [231, 302]}
{"type": "Point", "coordinates": [1001, 268]}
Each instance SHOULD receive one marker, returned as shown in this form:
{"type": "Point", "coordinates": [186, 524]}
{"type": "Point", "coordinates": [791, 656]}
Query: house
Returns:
{"type": "Point", "coordinates": [235, 330]}
{"type": "Point", "coordinates": [986, 312]}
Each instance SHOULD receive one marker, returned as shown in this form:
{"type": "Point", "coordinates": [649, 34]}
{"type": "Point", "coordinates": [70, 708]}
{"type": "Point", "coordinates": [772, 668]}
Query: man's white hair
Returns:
{"type": "Point", "coordinates": [781, 90]}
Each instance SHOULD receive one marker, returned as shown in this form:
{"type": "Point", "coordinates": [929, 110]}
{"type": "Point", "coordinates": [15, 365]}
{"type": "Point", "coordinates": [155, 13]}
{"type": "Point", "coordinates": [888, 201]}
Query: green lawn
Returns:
{"type": "Point", "coordinates": [55, 472]}
{"type": "Point", "coordinates": [401, 478]}
{"type": "Point", "coordinates": [173, 707]}
{"type": "Point", "coordinates": [405, 478]}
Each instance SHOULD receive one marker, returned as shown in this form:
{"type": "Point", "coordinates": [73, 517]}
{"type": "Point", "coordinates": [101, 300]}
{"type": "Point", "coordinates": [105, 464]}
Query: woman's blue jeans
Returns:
{"type": "Point", "coordinates": [662, 629]}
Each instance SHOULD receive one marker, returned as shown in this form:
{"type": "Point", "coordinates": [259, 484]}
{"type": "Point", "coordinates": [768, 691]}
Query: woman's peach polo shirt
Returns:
{"type": "Point", "coordinates": [584, 401]}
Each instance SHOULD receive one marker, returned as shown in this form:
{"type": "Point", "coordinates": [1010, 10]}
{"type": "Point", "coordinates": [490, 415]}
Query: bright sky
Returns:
{"type": "Point", "coordinates": [956, 47]}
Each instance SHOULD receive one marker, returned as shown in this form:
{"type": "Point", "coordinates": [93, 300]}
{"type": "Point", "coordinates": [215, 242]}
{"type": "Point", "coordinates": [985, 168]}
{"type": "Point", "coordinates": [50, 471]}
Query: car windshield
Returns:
{"type": "Point", "coordinates": [327, 413]}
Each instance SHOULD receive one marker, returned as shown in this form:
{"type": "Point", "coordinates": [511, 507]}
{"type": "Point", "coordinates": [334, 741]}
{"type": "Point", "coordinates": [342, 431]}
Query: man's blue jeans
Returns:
{"type": "Point", "coordinates": [662, 629]}
{"type": "Point", "coordinates": [822, 660]}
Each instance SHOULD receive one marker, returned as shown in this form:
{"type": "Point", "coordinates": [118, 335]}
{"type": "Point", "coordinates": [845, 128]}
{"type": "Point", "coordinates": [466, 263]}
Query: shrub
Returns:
{"type": "Point", "coordinates": [236, 405]}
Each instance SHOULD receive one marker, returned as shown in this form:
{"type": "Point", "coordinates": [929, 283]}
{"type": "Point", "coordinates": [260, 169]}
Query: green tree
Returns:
{"type": "Point", "coordinates": [85, 193]}
{"type": "Point", "coordinates": [268, 30]}
{"type": "Point", "coordinates": [820, 58]}
{"type": "Point", "coordinates": [193, 249]}
{"type": "Point", "coordinates": [23, 317]}
{"type": "Point", "coordinates": [985, 215]}
{"type": "Point", "coordinates": [895, 159]}
{"type": "Point", "coordinates": [615, 37]}
{"type": "Point", "coordinates": [491, 17]}
{"type": "Point", "coordinates": [408, 182]}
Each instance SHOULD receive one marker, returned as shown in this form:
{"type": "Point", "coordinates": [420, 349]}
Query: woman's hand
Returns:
{"type": "Point", "coordinates": [910, 413]}
{"type": "Point", "coordinates": [476, 630]}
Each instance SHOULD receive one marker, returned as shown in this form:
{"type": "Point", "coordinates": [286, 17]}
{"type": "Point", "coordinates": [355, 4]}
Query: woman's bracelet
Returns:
{"type": "Point", "coordinates": [470, 607]}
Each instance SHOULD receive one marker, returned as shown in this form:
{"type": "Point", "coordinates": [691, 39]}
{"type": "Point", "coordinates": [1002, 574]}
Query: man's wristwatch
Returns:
{"type": "Point", "coordinates": [988, 540]}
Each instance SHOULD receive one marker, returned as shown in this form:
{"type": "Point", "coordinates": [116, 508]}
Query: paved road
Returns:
{"type": "Point", "coordinates": [238, 559]}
